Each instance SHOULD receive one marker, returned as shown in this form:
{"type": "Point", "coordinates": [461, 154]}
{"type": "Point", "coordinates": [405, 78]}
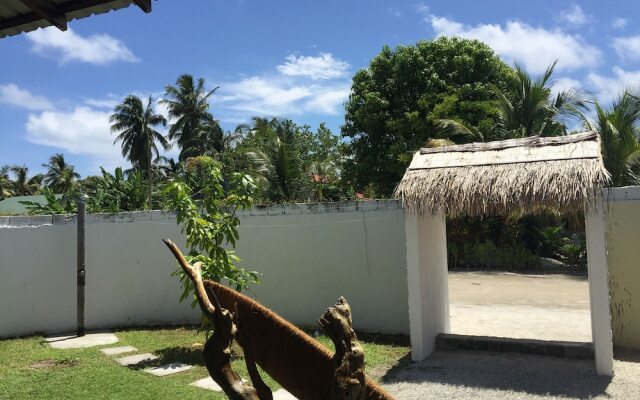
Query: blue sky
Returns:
{"type": "Point", "coordinates": [276, 58]}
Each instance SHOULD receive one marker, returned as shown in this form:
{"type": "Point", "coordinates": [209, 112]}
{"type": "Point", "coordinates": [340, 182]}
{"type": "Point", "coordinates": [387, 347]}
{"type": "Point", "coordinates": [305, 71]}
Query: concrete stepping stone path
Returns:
{"type": "Point", "coordinates": [168, 369]}
{"type": "Point", "coordinates": [113, 351]}
{"type": "Point", "coordinates": [210, 384]}
{"type": "Point", "coordinates": [78, 342]}
{"type": "Point", "coordinates": [207, 383]}
{"type": "Point", "coordinates": [282, 394]}
{"type": "Point", "coordinates": [136, 359]}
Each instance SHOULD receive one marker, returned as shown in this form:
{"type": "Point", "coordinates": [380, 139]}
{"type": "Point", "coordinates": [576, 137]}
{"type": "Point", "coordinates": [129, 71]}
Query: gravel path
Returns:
{"type": "Point", "coordinates": [491, 376]}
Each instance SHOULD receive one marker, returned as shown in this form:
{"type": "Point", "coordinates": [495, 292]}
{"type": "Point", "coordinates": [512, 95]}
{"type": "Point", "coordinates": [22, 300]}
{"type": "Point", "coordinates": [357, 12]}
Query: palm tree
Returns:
{"type": "Point", "coordinates": [22, 185]}
{"type": "Point", "coordinates": [60, 176]}
{"type": "Point", "coordinates": [529, 108]}
{"type": "Point", "coordinates": [135, 125]}
{"type": "Point", "coordinates": [169, 167]}
{"type": "Point", "coordinates": [5, 182]}
{"type": "Point", "coordinates": [188, 104]}
{"type": "Point", "coordinates": [278, 165]}
{"type": "Point", "coordinates": [619, 130]}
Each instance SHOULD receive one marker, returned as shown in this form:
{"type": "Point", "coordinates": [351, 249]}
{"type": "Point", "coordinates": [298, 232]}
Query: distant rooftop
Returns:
{"type": "Point", "coordinates": [18, 16]}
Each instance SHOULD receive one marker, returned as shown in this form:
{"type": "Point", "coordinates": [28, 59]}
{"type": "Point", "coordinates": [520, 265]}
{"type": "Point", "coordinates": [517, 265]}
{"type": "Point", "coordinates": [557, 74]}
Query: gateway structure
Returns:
{"type": "Point", "coordinates": [484, 179]}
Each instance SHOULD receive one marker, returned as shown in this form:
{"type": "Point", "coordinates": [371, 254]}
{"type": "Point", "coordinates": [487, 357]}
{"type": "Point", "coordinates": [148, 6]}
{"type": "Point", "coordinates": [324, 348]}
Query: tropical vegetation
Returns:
{"type": "Point", "coordinates": [433, 93]}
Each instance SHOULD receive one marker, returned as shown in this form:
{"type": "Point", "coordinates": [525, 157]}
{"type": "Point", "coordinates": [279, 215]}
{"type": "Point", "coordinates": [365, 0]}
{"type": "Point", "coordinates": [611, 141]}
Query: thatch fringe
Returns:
{"type": "Point", "coordinates": [486, 190]}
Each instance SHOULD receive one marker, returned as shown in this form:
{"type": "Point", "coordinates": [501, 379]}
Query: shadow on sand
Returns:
{"type": "Point", "coordinates": [503, 371]}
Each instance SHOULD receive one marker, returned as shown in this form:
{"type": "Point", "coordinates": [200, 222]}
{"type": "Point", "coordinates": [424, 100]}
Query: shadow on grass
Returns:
{"type": "Point", "coordinates": [191, 355]}
{"type": "Point", "coordinates": [502, 371]}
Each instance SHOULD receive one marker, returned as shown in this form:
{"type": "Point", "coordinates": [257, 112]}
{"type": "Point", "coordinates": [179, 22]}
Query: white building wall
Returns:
{"type": "Point", "coordinates": [309, 255]}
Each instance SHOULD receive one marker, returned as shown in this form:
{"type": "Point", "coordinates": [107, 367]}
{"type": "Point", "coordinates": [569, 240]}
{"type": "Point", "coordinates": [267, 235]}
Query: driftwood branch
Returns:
{"type": "Point", "coordinates": [217, 349]}
{"type": "Point", "coordinates": [348, 360]}
{"type": "Point", "coordinates": [296, 361]}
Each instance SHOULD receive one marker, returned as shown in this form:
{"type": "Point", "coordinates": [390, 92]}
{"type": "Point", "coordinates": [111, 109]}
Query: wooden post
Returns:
{"type": "Point", "coordinates": [81, 277]}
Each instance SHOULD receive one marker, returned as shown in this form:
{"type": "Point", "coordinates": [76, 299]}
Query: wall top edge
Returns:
{"type": "Point", "coordinates": [626, 193]}
{"type": "Point", "coordinates": [21, 221]}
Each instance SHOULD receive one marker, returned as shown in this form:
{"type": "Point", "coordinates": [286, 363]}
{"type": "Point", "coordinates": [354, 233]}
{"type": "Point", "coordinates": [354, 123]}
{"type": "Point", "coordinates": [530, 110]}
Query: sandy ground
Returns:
{"type": "Point", "coordinates": [547, 307]}
{"type": "Point", "coordinates": [490, 376]}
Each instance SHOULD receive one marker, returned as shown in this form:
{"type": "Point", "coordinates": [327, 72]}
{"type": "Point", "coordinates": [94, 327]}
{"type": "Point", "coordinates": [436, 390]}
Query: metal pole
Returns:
{"type": "Point", "coordinates": [81, 279]}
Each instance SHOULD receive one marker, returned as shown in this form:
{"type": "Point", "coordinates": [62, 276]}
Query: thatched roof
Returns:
{"type": "Point", "coordinates": [501, 177]}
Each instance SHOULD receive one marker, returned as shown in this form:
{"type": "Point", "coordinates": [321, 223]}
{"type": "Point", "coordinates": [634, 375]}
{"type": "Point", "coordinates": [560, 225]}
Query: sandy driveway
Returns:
{"type": "Point", "coordinates": [548, 307]}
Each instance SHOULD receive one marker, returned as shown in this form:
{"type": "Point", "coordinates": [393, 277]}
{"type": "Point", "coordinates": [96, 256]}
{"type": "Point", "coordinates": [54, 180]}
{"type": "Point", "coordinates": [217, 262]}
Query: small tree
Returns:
{"type": "Point", "coordinates": [206, 211]}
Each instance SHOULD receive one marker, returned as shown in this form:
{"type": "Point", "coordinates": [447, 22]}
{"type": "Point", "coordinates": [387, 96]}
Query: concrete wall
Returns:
{"type": "Point", "coordinates": [309, 255]}
{"type": "Point", "coordinates": [623, 258]}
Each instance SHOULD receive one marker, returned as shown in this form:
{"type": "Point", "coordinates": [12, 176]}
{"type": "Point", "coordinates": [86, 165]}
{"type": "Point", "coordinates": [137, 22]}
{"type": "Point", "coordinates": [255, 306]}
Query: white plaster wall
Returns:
{"type": "Point", "coordinates": [309, 255]}
{"type": "Point", "coordinates": [623, 234]}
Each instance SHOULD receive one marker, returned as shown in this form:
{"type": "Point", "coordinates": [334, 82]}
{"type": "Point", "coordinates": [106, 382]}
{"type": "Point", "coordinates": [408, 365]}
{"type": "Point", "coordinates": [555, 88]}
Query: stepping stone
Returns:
{"type": "Point", "coordinates": [282, 394]}
{"type": "Point", "coordinates": [168, 369]}
{"type": "Point", "coordinates": [136, 359]}
{"type": "Point", "coordinates": [77, 342]}
{"type": "Point", "coordinates": [209, 384]}
{"type": "Point", "coordinates": [112, 351]}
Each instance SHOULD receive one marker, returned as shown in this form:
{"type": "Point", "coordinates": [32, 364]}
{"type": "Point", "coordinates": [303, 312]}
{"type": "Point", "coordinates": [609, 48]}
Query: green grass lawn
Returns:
{"type": "Point", "coordinates": [30, 369]}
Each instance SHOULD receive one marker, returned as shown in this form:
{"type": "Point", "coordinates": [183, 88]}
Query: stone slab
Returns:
{"type": "Point", "coordinates": [77, 342]}
{"type": "Point", "coordinates": [136, 359]}
{"type": "Point", "coordinates": [552, 348]}
{"type": "Point", "coordinates": [112, 351]}
{"type": "Point", "coordinates": [168, 369]}
{"type": "Point", "coordinates": [207, 383]}
{"type": "Point", "coordinates": [282, 394]}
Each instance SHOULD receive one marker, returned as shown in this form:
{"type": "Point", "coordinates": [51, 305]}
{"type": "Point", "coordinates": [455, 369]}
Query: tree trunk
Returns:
{"type": "Point", "coordinates": [149, 177]}
{"type": "Point", "coordinates": [291, 357]}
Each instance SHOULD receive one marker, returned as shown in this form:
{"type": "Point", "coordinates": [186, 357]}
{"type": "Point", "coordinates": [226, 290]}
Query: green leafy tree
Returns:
{"type": "Point", "coordinates": [22, 185]}
{"type": "Point", "coordinates": [135, 124]}
{"type": "Point", "coordinates": [527, 106]}
{"type": "Point", "coordinates": [275, 148]}
{"type": "Point", "coordinates": [206, 212]}
{"type": "Point", "coordinates": [619, 130]}
{"type": "Point", "coordinates": [109, 193]}
{"type": "Point", "coordinates": [60, 176]}
{"type": "Point", "coordinates": [6, 186]}
{"type": "Point", "coordinates": [395, 104]}
{"type": "Point", "coordinates": [194, 128]}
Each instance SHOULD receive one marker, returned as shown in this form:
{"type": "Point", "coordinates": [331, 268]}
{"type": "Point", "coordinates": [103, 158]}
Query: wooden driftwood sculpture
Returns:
{"type": "Point", "coordinates": [295, 360]}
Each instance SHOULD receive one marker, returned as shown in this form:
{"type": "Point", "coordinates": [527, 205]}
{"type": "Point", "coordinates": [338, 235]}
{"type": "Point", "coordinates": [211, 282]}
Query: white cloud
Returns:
{"type": "Point", "coordinates": [329, 101]}
{"type": "Point", "coordinates": [535, 48]}
{"type": "Point", "coordinates": [627, 48]}
{"type": "Point", "coordinates": [620, 23]}
{"type": "Point", "coordinates": [100, 49]}
{"type": "Point", "coordinates": [394, 11]}
{"type": "Point", "coordinates": [83, 131]}
{"type": "Point", "coordinates": [574, 16]}
{"type": "Point", "coordinates": [608, 88]}
{"type": "Point", "coordinates": [315, 85]}
{"type": "Point", "coordinates": [324, 66]}
{"type": "Point", "coordinates": [422, 8]}
{"type": "Point", "coordinates": [108, 103]}
{"type": "Point", "coordinates": [274, 96]}
{"type": "Point", "coordinates": [565, 84]}
{"type": "Point", "coordinates": [13, 95]}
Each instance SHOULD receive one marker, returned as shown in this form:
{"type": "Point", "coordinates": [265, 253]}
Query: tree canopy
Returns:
{"type": "Point", "coordinates": [396, 102]}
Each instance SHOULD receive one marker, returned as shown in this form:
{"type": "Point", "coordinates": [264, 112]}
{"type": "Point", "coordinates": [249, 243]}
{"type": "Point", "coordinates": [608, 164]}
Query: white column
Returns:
{"type": "Point", "coordinates": [599, 287]}
{"type": "Point", "coordinates": [428, 281]}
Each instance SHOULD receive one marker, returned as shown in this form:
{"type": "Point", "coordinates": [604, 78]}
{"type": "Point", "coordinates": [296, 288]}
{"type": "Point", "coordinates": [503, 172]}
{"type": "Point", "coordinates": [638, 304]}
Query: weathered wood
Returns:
{"type": "Point", "coordinates": [349, 378]}
{"type": "Point", "coordinates": [299, 363]}
{"type": "Point", "coordinates": [217, 349]}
